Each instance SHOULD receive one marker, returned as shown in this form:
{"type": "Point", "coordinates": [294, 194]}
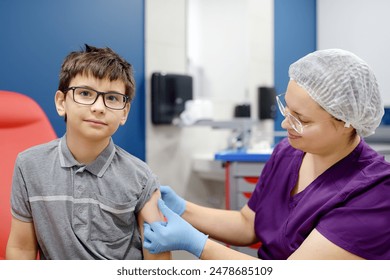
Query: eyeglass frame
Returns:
{"type": "Point", "coordinates": [292, 120]}
{"type": "Point", "coordinates": [290, 117]}
{"type": "Point", "coordinates": [98, 93]}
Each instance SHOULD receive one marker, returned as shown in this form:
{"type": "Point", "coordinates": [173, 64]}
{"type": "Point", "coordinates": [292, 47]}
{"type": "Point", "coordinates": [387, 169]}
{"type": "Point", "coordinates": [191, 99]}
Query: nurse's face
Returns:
{"type": "Point", "coordinates": [320, 133]}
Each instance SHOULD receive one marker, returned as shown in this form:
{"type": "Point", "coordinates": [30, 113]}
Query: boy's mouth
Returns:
{"type": "Point", "coordinates": [97, 122]}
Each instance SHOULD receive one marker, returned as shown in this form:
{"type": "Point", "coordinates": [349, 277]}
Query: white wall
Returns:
{"type": "Point", "coordinates": [231, 43]}
{"type": "Point", "coordinates": [359, 26]}
{"type": "Point", "coordinates": [169, 149]}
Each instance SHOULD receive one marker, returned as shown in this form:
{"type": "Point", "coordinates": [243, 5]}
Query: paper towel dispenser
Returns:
{"type": "Point", "coordinates": [266, 103]}
{"type": "Point", "coordinates": [169, 93]}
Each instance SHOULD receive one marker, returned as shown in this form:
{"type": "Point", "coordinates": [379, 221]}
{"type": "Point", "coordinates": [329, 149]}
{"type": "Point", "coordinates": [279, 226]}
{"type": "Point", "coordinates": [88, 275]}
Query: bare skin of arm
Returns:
{"type": "Point", "coordinates": [150, 213]}
{"type": "Point", "coordinates": [315, 247]}
{"type": "Point", "coordinates": [22, 243]}
{"type": "Point", "coordinates": [232, 227]}
{"type": "Point", "coordinates": [237, 228]}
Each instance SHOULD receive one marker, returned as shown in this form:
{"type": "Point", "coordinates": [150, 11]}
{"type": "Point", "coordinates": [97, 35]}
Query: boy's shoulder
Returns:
{"type": "Point", "coordinates": [40, 149]}
{"type": "Point", "coordinates": [129, 165]}
{"type": "Point", "coordinates": [129, 158]}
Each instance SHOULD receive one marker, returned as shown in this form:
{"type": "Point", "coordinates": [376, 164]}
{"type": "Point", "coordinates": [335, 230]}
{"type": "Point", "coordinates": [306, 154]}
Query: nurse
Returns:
{"type": "Point", "coordinates": [323, 194]}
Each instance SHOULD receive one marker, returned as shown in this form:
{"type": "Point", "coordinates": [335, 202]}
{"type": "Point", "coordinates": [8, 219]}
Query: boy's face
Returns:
{"type": "Point", "coordinates": [94, 122]}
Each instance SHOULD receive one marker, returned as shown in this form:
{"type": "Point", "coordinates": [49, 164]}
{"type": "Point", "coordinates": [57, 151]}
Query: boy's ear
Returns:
{"type": "Point", "coordinates": [126, 111]}
{"type": "Point", "coordinates": [59, 100]}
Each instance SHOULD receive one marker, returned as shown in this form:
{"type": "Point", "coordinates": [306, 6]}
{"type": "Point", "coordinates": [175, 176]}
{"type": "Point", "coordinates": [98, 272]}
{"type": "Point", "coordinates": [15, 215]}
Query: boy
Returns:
{"type": "Point", "coordinates": [81, 196]}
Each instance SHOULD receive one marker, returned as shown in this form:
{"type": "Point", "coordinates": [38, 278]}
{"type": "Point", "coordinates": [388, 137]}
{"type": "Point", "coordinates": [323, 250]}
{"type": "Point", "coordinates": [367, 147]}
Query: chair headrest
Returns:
{"type": "Point", "coordinates": [18, 110]}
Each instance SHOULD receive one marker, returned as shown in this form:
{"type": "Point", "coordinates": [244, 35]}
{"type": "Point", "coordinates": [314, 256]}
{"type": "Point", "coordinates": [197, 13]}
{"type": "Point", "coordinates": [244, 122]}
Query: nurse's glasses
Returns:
{"type": "Point", "coordinates": [293, 121]}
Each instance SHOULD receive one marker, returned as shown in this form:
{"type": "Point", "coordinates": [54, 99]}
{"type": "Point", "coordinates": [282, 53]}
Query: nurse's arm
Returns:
{"type": "Point", "coordinates": [229, 222]}
{"type": "Point", "coordinates": [317, 247]}
{"type": "Point", "coordinates": [216, 251]}
{"type": "Point", "coordinates": [228, 226]}
{"type": "Point", "coordinates": [150, 213]}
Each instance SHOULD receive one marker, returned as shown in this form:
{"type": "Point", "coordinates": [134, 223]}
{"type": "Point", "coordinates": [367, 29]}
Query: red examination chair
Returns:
{"type": "Point", "coordinates": [22, 124]}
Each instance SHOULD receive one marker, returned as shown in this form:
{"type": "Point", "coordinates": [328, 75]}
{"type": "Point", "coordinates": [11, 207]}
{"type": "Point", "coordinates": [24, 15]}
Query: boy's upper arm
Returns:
{"type": "Point", "coordinates": [150, 213]}
{"type": "Point", "coordinates": [22, 242]}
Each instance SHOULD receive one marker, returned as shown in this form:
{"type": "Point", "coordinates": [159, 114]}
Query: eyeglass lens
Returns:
{"type": "Point", "coordinates": [88, 97]}
{"type": "Point", "coordinates": [293, 121]}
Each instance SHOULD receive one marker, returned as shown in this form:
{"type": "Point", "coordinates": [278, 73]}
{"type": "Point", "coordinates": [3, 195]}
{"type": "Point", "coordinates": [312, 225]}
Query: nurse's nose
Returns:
{"type": "Point", "coordinates": [285, 124]}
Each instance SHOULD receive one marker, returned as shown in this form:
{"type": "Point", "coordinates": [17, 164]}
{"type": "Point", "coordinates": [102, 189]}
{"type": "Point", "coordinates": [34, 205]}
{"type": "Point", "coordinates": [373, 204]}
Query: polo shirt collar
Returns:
{"type": "Point", "coordinates": [97, 167]}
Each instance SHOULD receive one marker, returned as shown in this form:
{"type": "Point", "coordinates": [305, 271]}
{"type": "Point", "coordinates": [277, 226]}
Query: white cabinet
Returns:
{"type": "Point", "coordinates": [241, 179]}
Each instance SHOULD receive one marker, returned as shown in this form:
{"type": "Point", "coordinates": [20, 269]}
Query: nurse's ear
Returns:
{"type": "Point", "coordinates": [347, 130]}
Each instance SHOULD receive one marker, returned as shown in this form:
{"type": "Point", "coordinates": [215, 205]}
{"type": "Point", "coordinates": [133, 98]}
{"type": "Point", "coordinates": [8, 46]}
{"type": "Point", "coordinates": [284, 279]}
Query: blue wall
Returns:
{"type": "Point", "coordinates": [37, 35]}
{"type": "Point", "coordinates": [294, 36]}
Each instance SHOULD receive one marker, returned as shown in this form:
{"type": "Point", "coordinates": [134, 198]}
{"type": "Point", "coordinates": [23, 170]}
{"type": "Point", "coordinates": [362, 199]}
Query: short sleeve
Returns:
{"type": "Point", "coordinates": [149, 187]}
{"type": "Point", "coordinates": [361, 225]}
{"type": "Point", "coordinates": [20, 205]}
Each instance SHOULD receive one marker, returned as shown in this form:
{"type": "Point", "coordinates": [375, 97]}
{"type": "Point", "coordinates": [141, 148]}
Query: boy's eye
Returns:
{"type": "Point", "coordinates": [112, 97]}
{"type": "Point", "coordinates": [85, 93]}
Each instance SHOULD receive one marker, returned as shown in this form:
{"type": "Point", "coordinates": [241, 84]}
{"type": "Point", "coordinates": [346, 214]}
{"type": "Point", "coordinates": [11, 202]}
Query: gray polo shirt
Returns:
{"type": "Point", "coordinates": [82, 211]}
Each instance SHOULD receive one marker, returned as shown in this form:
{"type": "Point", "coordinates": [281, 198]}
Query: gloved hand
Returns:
{"type": "Point", "coordinates": [175, 234]}
{"type": "Point", "coordinates": [172, 200]}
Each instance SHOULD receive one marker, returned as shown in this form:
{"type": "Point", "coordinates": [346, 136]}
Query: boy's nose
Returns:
{"type": "Point", "coordinates": [98, 105]}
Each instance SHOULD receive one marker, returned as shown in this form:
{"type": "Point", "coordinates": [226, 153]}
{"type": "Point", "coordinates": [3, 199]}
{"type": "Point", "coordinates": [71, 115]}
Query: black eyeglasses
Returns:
{"type": "Point", "coordinates": [87, 96]}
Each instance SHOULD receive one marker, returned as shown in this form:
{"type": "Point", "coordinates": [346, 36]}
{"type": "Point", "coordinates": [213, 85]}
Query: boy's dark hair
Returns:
{"type": "Point", "coordinates": [101, 63]}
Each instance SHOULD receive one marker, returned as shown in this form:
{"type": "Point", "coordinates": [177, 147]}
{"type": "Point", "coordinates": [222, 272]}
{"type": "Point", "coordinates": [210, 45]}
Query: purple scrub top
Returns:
{"type": "Point", "coordinates": [349, 204]}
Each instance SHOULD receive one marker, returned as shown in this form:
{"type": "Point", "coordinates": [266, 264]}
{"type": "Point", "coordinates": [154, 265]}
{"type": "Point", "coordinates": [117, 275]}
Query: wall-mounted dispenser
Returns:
{"type": "Point", "coordinates": [266, 103]}
{"type": "Point", "coordinates": [169, 93]}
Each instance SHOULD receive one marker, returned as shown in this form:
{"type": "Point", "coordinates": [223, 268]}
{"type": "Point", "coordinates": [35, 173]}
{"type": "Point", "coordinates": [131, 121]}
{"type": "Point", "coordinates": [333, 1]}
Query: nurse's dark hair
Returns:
{"type": "Point", "coordinates": [353, 134]}
{"type": "Point", "coordinates": [101, 63]}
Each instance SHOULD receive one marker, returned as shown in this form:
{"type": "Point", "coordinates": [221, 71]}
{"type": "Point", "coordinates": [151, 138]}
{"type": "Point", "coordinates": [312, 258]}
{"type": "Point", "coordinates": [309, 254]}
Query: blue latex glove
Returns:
{"type": "Point", "coordinates": [172, 200]}
{"type": "Point", "coordinates": [175, 234]}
